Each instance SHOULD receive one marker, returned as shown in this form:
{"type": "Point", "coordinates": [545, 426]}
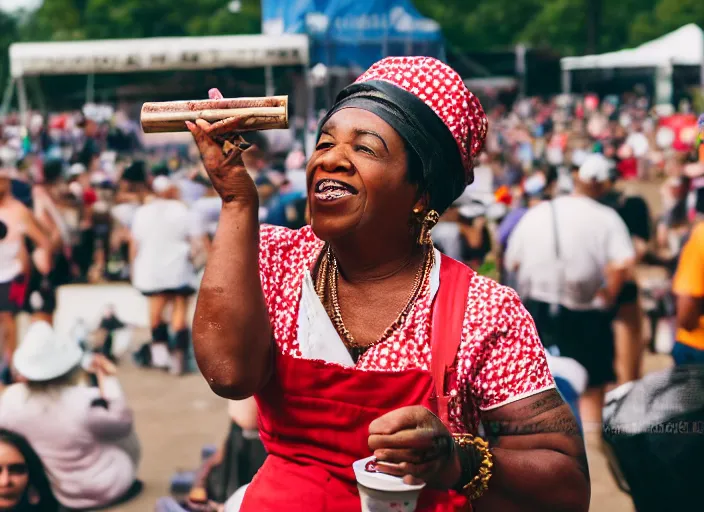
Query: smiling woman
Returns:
{"type": "Point", "coordinates": [357, 338]}
{"type": "Point", "coordinates": [24, 486]}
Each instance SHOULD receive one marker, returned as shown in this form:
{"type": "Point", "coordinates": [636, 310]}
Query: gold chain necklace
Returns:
{"type": "Point", "coordinates": [328, 275]}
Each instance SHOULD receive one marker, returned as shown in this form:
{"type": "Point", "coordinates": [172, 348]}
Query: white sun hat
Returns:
{"type": "Point", "coordinates": [44, 356]}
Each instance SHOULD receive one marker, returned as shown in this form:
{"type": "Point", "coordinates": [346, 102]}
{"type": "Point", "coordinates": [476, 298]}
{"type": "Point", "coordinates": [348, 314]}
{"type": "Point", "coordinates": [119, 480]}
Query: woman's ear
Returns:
{"type": "Point", "coordinates": [422, 205]}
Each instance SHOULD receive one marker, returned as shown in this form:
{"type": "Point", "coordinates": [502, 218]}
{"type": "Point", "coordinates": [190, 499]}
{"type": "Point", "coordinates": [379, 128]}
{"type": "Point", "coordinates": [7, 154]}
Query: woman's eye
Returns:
{"type": "Point", "coordinates": [18, 469]}
{"type": "Point", "coordinates": [323, 145]}
{"type": "Point", "coordinates": [365, 149]}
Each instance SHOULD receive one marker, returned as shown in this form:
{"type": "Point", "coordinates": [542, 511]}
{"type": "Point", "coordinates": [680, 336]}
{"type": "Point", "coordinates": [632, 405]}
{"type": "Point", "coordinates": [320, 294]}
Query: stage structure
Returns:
{"type": "Point", "coordinates": [151, 54]}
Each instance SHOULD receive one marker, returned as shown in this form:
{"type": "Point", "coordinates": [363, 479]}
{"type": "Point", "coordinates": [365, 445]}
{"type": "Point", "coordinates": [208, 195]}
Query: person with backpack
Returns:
{"type": "Point", "coordinates": [572, 256]}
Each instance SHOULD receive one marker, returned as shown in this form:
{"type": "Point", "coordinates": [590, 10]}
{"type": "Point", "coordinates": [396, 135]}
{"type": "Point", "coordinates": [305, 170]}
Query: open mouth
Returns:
{"type": "Point", "coordinates": [330, 190]}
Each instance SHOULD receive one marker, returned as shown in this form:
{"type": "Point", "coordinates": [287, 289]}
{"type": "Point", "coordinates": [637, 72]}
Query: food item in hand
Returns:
{"type": "Point", "coordinates": [379, 492]}
{"type": "Point", "coordinates": [226, 115]}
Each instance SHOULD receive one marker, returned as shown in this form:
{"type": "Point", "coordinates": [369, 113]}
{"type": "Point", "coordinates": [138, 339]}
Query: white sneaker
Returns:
{"type": "Point", "coordinates": [176, 363]}
{"type": "Point", "coordinates": [160, 355]}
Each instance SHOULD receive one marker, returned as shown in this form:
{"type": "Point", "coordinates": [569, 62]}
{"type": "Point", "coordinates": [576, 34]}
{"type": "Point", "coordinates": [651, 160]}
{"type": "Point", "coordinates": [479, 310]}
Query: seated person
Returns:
{"type": "Point", "coordinates": [112, 329]}
{"type": "Point", "coordinates": [84, 435]}
{"type": "Point", "coordinates": [234, 464]}
{"type": "Point", "coordinates": [24, 486]}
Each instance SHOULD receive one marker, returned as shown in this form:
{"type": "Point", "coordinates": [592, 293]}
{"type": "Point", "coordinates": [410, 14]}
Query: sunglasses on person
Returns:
{"type": "Point", "coordinates": [18, 468]}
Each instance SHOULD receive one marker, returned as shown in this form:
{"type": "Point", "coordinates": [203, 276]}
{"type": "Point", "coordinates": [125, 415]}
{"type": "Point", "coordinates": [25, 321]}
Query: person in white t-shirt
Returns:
{"type": "Point", "coordinates": [638, 142]}
{"type": "Point", "coordinates": [162, 236]}
{"type": "Point", "coordinates": [207, 210]}
{"type": "Point", "coordinates": [572, 256]}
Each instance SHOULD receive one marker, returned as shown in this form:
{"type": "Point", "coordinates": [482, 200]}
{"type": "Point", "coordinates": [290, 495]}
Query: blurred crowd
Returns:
{"type": "Point", "coordinates": [551, 212]}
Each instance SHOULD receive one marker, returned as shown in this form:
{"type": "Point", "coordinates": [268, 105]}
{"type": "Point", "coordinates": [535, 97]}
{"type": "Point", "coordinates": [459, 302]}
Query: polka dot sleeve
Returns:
{"type": "Point", "coordinates": [284, 255]}
{"type": "Point", "coordinates": [513, 365]}
{"type": "Point", "coordinates": [275, 244]}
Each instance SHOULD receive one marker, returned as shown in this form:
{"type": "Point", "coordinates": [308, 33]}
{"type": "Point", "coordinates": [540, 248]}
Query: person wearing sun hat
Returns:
{"type": "Point", "coordinates": [83, 434]}
{"type": "Point", "coordinates": [42, 357]}
{"type": "Point", "coordinates": [358, 339]}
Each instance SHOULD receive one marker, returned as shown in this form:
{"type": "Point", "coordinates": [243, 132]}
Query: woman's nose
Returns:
{"type": "Point", "coordinates": [336, 160]}
{"type": "Point", "coordinates": [4, 477]}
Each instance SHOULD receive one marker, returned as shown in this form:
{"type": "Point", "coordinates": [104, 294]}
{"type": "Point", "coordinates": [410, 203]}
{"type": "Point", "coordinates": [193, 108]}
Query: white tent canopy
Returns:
{"type": "Point", "coordinates": [683, 47]}
{"type": "Point", "coordinates": [151, 54]}
{"type": "Point", "coordinates": [157, 54]}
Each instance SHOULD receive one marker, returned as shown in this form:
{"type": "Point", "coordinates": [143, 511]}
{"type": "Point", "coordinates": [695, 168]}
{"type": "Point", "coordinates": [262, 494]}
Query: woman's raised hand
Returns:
{"type": "Point", "coordinates": [223, 163]}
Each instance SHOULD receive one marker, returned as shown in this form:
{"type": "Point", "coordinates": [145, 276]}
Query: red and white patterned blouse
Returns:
{"type": "Point", "coordinates": [500, 360]}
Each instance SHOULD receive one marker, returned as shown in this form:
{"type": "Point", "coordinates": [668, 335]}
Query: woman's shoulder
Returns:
{"type": "Point", "coordinates": [11, 393]}
{"type": "Point", "coordinates": [490, 304]}
{"type": "Point", "coordinates": [284, 256]}
{"type": "Point", "coordinates": [13, 401]}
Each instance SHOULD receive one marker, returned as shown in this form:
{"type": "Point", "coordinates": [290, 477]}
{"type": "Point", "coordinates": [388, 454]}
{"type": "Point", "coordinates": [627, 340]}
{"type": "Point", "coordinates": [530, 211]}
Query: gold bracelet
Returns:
{"type": "Point", "coordinates": [480, 482]}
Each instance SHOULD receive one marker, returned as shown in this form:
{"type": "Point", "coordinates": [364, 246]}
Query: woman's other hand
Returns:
{"type": "Point", "coordinates": [413, 443]}
{"type": "Point", "coordinates": [224, 165]}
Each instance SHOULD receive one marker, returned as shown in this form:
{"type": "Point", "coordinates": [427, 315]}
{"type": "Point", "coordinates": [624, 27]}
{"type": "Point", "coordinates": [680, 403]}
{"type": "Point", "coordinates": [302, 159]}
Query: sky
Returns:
{"type": "Point", "coordinates": [11, 5]}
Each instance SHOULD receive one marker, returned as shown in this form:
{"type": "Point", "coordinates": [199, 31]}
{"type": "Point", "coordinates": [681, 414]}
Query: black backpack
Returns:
{"type": "Point", "coordinates": [654, 438]}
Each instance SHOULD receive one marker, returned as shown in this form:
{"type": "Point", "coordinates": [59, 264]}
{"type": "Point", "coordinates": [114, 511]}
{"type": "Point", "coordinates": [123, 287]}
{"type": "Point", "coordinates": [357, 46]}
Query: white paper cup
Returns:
{"type": "Point", "coordinates": [379, 492]}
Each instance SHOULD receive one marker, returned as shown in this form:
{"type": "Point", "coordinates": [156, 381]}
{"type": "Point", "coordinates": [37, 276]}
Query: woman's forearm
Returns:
{"type": "Point", "coordinates": [231, 331]}
{"type": "Point", "coordinates": [536, 480]}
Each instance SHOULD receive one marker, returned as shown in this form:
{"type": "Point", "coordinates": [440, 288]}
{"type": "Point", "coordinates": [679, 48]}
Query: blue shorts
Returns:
{"type": "Point", "coordinates": [684, 354]}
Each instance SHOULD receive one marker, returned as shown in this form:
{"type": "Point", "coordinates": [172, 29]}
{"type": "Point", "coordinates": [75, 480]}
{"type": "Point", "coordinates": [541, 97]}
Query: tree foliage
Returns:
{"type": "Point", "coordinates": [8, 34]}
{"type": "Point", "coordinates": [59, 20]}
{"type": "Point", "coordinates": [558, 24]}
{"type": "Point", "coordinates": [479, 25]}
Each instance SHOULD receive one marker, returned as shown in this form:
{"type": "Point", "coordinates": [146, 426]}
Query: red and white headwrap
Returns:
{"type": "Point", "coordinates": [441, 122]}
{"type": "Point", "coordinates": [442, 89]}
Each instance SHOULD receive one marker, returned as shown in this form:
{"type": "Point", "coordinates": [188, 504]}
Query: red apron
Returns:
{"type": "Point", "coordinates": [314, 417]}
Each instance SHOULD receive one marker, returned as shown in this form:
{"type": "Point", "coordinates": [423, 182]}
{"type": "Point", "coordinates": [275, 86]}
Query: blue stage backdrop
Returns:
{"type": "Point", "coordinates": [355, 33]}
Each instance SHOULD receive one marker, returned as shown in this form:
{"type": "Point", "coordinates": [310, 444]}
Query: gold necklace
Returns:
{"type": "Point", "coordinates": [328, 275]}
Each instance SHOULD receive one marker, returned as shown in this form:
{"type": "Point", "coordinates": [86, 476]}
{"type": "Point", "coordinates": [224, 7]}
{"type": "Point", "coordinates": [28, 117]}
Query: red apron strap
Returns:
{"type": "Point", "coordinates": [449, 308]}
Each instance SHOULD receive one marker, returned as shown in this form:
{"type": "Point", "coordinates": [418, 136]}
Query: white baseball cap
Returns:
{"type": "Point", "coordinates": [535, 184]}
{"type": "Point", "coordinates": [595, 168]}
{"type": "Point", "coordinates": [161, 184]}
{"type": "Point", "coordinates": [76, 170]}
{"type": "Point", "coordinates": [471, 211]}
{"type": "Point", "coordinates": [44, 356]}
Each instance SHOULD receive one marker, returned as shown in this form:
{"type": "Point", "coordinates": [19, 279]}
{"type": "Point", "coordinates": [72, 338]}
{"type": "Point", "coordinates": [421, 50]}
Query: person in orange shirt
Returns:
{"type": "Point", "coordinates": [688, 286]}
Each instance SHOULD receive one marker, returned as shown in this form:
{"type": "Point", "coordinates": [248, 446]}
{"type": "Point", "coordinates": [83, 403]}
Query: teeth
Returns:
{"type": "Point", "coordinates": [331, 194]}
{"type": "Point", "coordinates": [327, 185]}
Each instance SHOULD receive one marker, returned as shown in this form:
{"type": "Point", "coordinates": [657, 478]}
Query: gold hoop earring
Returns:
{"type": "Point", "coordinates": [33, 496]}
{"type": "Point", "coordinates": [429, 220]}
